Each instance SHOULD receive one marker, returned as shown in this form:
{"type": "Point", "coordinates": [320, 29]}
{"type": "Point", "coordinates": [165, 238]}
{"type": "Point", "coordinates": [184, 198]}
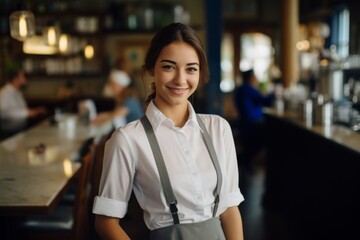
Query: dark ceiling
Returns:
{"type": "Point", "coordinates": [310, 10]}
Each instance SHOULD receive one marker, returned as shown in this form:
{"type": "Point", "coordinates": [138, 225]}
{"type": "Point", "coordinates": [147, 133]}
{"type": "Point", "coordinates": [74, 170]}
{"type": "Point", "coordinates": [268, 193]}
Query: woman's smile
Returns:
{"type": "Point", "coordinates": [177, 91]}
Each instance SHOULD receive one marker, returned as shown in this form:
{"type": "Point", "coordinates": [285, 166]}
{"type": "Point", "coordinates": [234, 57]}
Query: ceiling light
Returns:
{"type": "Point", "coordinates": [22, 25]}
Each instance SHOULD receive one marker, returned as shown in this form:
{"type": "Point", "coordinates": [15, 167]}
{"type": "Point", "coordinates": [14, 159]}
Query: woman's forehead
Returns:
{"type": "Point", "coordinates": [179, 51]}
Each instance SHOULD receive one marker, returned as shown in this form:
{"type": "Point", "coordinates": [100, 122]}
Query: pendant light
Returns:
{"type": "Point", "coordinates": [89, 51]}
{"type": "Point", "coordinates": [51, 33]}
{"type": "Point", "coordinates": [64, 43]}
{"type": "Point", "coordinates": [22, 24]}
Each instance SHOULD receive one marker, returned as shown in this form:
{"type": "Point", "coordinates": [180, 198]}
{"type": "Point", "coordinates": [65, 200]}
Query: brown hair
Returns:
{"type": "Point", "coordinates": [165, 36]}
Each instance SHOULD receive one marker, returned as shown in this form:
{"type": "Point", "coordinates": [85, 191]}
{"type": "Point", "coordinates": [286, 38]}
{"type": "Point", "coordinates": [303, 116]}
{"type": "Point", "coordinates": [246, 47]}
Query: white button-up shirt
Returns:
{"type": "Point", "coordinates": [12, 103]}
{"type": "Point", "coordinates": [129, 164]}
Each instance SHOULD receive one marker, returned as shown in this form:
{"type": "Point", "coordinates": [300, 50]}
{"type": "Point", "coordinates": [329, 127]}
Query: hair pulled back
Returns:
{"type": "Point", "coordinates": [165, 36]}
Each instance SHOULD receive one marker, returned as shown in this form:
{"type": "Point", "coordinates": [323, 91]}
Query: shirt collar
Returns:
{"type": "Point", "coordinates": [157, 118]}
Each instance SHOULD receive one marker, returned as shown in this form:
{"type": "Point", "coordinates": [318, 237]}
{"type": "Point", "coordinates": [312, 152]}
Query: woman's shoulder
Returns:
{"type": "Point", "coordinates": [216, 125]}
{"type": "Point", "coordinates": [133, 128]}
{"type": "Point", "coordinates": [213, 119]}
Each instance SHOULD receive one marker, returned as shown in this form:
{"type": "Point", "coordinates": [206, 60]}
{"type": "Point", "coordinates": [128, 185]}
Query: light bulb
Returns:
{"type": "Point", "coordinates": [63, 43]}
{"type": "Point", "coordinates": [89, 51]}
{"type": "Point", "coordinates": [22, 25]}
{"type": "Point", "coordinates": [51, 36]}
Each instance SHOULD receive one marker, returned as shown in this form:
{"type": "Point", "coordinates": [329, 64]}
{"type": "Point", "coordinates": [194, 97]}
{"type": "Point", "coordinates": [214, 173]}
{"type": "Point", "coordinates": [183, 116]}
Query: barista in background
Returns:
{"type": "Point", "coordinates": [120, 71]}
{"type": "Point", "coordinates": [127, 104]}
{"type": "Point", "coordinates": [14, 111]}
{"type": "Point", "coordinates": [249, 102]}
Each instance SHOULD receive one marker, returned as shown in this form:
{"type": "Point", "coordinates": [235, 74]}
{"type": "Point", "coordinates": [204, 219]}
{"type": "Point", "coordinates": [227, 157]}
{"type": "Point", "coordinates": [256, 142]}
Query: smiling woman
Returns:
{"type": "Point", "coordinates": [204, 187]}
{"type": "Point", "coordinates": [177, 75]}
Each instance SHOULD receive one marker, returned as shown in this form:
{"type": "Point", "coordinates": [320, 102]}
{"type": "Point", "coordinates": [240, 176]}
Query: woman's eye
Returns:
{"type": "Point", "coordinates": [167, 67]}
{"type": "Point", "coordinates": [192, 69]}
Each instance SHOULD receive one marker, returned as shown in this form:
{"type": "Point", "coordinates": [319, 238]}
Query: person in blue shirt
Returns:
{"type": "Point", "coordinates": [249, 102]}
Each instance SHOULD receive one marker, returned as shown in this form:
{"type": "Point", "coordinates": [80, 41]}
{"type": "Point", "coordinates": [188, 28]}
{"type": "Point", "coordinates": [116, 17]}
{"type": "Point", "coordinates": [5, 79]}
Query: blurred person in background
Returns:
{"type": "Point", "coordinates": [128, 106]}
{"type": "Point", "coordinates": [14, 110]}
{"type": "Point", "coordinates": [68, 90]}
{"type": "Point", "coordinates": [68, 93]}
{"type": "Point", "coordinates": [249, 102]}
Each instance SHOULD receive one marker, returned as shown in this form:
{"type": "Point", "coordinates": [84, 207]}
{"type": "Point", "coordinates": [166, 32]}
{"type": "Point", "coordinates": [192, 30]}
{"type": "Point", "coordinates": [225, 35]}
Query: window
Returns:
{"type": "Point", "coordinates": [256, 53]}
{"type": "Point", "coordinates": [340, 35]}
{"type": "Point", "coordinates": [227, 83]}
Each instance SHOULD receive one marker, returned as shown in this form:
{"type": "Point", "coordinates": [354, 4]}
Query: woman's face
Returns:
{"type": "Point", "coordinates": [176, 74]}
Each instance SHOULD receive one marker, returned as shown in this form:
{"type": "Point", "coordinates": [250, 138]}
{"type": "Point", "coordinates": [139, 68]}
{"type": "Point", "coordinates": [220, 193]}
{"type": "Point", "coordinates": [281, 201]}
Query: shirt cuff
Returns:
{"type": "Point", "coordinates": [234, 199]}
{"type": "Point", "coordinates": [109, 207]}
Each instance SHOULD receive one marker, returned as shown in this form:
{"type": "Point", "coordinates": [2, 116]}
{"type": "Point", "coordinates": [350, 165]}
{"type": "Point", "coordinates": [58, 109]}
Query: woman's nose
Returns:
{"type": "Point", "coordinates": [180, 76]}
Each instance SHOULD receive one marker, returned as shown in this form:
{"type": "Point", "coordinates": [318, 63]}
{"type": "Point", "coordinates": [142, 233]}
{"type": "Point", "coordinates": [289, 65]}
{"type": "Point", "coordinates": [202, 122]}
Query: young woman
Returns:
{"type": "Point", "coordinates": [177, 63]}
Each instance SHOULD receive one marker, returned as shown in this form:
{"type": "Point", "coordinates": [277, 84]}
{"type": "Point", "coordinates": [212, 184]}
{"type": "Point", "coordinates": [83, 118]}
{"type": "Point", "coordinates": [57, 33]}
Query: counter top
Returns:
{"type": "Point", "coordinates": [333, 132]}
{"type": "Point", "coordinates": [37, 165]}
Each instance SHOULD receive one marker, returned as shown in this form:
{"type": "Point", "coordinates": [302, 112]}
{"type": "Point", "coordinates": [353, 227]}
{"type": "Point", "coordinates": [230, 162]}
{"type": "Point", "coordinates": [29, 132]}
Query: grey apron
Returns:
{"type": "Point", "coordinates": [210, 229]}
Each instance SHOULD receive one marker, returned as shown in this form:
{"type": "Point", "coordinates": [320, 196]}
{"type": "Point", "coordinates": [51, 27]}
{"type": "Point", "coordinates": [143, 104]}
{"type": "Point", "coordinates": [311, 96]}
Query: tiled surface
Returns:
{"type": "Point", "coordinates": [252, 211]}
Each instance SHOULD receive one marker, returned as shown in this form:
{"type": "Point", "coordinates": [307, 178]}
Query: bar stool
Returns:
{"type": "Point", "coordinates": [96, 170]}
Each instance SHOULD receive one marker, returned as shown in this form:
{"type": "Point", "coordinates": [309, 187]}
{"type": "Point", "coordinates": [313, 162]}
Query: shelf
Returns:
{"type": "Point", "coordinates": [62, 76]}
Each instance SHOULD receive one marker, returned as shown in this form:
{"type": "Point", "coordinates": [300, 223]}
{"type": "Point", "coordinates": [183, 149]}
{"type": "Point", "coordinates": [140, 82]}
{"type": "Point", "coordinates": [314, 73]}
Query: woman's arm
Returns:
{"type": "Point", "coordinates": [109, 228]}
{"type": "Point", "coordinates": [231, 223]}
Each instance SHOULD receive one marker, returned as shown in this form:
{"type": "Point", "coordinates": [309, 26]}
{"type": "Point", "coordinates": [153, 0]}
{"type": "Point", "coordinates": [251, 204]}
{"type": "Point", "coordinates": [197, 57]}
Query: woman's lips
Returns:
{"type": "Point", "coordinates": [177, 91]}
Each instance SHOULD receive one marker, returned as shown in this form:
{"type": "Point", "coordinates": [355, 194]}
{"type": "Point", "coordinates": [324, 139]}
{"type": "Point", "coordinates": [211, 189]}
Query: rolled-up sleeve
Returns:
{"type": "Point", "coordinates": [230, 195]}
{"type": "Point", "coordinates": [234, 199]}
{"type": "Point", "coordinates": [109, 207]}
{"type": "Point", "coordinates": [116, 178]}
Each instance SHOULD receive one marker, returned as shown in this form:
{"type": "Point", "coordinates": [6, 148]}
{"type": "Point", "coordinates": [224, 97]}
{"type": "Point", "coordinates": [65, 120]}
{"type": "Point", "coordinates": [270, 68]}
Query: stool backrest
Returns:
{"type": "Point", "coordinates": [82, 195]}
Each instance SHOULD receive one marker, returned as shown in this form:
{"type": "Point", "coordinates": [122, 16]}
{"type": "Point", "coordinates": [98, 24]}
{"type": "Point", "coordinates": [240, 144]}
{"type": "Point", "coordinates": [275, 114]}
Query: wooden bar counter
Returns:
{"type": "Point", "coordinates": [312, 177]}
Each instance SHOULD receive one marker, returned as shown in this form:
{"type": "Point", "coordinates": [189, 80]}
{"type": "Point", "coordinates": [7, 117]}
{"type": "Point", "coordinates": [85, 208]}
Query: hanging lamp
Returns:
{"type": "Point", "coordinates": [52, 33]}
{"type": "Point", "coordinates": [89, 51]}
{"type": "Point", "coordinates": [64, 43]}
{"type": "Point", "coordinates": [22, 24]}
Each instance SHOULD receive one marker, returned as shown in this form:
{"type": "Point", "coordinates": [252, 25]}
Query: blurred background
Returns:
{"type": "Point", "coordinates": [303, 49]}
{"type": "Point", "coordinates": [284, 41]}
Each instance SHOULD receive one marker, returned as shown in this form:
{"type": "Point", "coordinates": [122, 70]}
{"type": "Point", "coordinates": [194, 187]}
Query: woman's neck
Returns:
{"type": "Point", "coordinates": [179, 114]}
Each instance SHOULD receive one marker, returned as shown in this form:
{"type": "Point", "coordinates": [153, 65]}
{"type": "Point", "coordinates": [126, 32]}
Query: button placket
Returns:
{"type": "Point", "coordinates": [193, 170]}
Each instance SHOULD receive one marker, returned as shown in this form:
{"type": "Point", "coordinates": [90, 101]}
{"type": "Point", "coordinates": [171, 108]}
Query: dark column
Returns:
{"type": "Point", "coordinates": [213, 47]}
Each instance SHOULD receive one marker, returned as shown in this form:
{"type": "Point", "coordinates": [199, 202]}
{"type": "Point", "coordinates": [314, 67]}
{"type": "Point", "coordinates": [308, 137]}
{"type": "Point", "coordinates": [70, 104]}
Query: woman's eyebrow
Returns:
{"type": "Point", "coordinates": [173, 62]}
{"type": "Point", "coordinates": [169, 61]}
{"type": "Point", "coordinates": [194, 63]}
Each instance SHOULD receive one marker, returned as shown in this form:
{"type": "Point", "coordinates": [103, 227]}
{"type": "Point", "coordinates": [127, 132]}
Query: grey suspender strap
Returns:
{"type": "Point", "coordinates": [164, 177]}
{"type": "Point", "coordinates": [215, 161]}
